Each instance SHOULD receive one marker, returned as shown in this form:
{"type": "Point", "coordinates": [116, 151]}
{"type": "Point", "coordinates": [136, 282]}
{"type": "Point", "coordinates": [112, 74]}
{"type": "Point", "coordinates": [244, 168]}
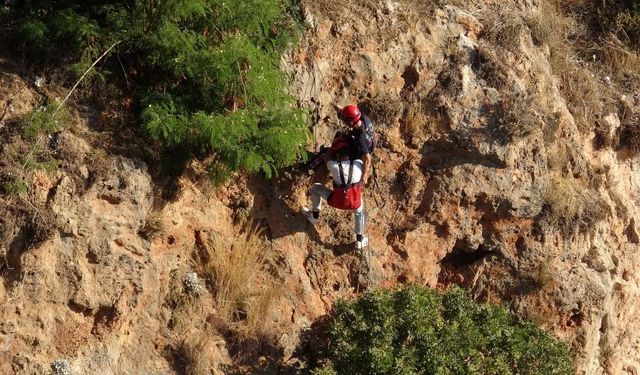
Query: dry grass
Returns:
{"type": "Point", "coordinates": [192, 354]}
{"type": "Point", "coordinates": [560, 34]}
{"type": "Point", "coordinates": [552, 122]}
{"type": "Point", "coordinates": [584, 97]}
{"type": "Point", "coordinates": [418, 127]}
{"type": "Point", "coordinates": [243, 288]}
{"type": "Point", "coordinates": [153, 225]}
{"type": "Point", "coordinates": [545, 274]}
{"type": "Point", "coordinates": [519, 118]}
{"type": "Point", "coordinates": [192, 351]}
{"type": "Point", "coordinates": [582, 60]}
{"type": "Point", "coordinates": [570, 205]}
{"type": "Point", "coordinates": [616, 60]}
{"type": "Point", "coordinates": [577, 84]}
{"type": "Point", "coordinates": [501, 27]}
{"type": "Point", "coordinates": [549, 27]}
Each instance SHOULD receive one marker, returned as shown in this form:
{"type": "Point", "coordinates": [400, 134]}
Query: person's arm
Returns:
{"type": "Point", "coordinates": [366, 159]}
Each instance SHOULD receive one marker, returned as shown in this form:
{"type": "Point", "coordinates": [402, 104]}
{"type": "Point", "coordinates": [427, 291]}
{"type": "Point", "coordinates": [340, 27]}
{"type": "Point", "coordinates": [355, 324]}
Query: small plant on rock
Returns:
{"type": "Point", "coordinates": [153, 226]}
{"type": "Point", "coordinates": [61, 367]}
{"type": "Point", "coordinates": [569, 205]}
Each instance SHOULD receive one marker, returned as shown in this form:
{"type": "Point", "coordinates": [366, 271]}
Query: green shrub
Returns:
{"type": "Point", "coordinates": [205, 71]}
{"type": "Point", "coordinates": [420, 331]}
{"type": "Point", "coordinates": [14, 187]}
{"type": "Point", "coordinates": [43, 120]}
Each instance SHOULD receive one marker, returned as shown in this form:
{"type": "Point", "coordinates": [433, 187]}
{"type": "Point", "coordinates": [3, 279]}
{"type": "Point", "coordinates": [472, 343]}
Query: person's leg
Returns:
{"type": "Point", "coordinates": [359, 221]}
{"type": "Point", "coordinates": [318, 191]}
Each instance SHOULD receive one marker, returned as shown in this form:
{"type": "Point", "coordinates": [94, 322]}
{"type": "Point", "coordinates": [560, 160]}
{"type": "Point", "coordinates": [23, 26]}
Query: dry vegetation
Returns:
{"type": "Point", "coordinates": [191, 357]}
{"type": "Point", "coordinates": [584, 69]}
{"type": "Point", "coordinates": [570, 205]}
{"type": "Point", "coordinates": [617, 60]}
{"type": "Point", "coordinates": [26, 147]}
{"type": "Point", "coordinates": [192, 352]}
{"type": "Point", "coordinates": [242, 287]}
{"type": "Point", "coordinates": [544, 274]}
{"type": "Point", "coordinates": [153, 226]}
{"type": "Point", "coordinates": [519, 118]}
{"type": "Point", "coordinates": [419, 126]}
{"type": "Point", "coordinates": [232, 313]}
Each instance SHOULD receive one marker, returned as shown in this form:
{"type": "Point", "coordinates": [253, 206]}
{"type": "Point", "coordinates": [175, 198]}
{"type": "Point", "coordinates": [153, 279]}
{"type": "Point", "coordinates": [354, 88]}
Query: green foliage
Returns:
{"type": "Point", "coordinates": [14, 187]}
{"type": "Point", "coordinates": [205, 71]}
{"type": "Point", "coordinates": [43, 120]}
{"type": "Point", "coordinates": [420, 331]}
{"type": "Point", "coordinates": [621, 17]}
{"type": "Point", "coordinates": [327, 370]}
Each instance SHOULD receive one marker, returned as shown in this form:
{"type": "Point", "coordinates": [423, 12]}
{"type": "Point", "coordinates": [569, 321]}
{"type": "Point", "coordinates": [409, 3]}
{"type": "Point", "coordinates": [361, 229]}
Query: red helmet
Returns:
{"type": "Point", "coordinates": [350, 114]}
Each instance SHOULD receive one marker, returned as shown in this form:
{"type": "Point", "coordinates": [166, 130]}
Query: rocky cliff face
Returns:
{"type": "Point", "coordinates": [486, 179]}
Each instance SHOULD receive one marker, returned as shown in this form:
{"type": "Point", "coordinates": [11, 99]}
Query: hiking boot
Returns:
{"type": "Point", "coordinates": [362, 244]}
{"type": "Point", "coordinates": [309, 215]}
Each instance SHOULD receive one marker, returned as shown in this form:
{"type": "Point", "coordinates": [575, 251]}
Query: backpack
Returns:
{"type": "Point", "coordinates": [369, 132]}
{"type": "Point", "coordinates": [346, 196]}
{"type": "Point", "coordinates": [339, 141]}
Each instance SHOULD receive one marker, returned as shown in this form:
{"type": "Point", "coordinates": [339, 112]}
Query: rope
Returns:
{"type": "Point", "coordinates": [81, 78]}
{"type": "Point", "coordinates": [377, 192]}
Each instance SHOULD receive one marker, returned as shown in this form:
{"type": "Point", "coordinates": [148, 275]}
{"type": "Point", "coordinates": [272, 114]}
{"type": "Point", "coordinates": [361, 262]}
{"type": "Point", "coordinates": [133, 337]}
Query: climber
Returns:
{"type": "Point", "coordinates": [361, 137]}
{"type": "Point", "coordinates": [346, 193]}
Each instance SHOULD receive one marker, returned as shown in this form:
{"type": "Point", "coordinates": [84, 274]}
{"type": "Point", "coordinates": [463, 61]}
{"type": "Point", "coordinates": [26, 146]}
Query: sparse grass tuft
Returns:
{"type": "Point", "coordinates": [617, 61]}
{"type": "Point", "coordinates": [519, 118]}
{"type": "Point", "coordinates": [192, 350]}
{"type": "Point", "coordinates": [549, 27]}
{"type": "Point", "coordinates": [584, 97]}
{"type": "Point", "coordinates": [570, 206]}
{"type": "Point", "coordinates": [242, 287]}
{"type": "Point", "coordinates": [418, 126]}
{"type": "Point", "coordinates": [32, 149]}
{"type": "Point", "coordinates": [577, 84]}
{"type": "Point", "coordinates": [153, 225]}
{"type": "Point", "coordinates": [544, 275]}
{"type": "Point", "coordinates": [191, 354]}
{"type": "Point", "coordinates": [45, 119]}
{"type": "Point", "coordinates": [552, 30]}
{"type": "Point", "coordinates": [501, 26]}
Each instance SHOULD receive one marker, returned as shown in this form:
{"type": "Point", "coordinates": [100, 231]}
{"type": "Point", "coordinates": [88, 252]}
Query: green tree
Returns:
{"type": "Point", "coordinates": [205, 72]}
{"type": "Point", "coordinates": [417, 330]}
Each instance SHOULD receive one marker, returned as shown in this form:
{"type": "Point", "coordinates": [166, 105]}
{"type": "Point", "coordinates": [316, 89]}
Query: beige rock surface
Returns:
{"type": "Point", "coordinates": [542, 221]}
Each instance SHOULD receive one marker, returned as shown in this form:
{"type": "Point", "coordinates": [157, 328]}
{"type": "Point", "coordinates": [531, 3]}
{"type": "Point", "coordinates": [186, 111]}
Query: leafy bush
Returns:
{"type": "Point", "coordinates": [421, 331]}
{"type": "Point", "coordinates": [205, 71]}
